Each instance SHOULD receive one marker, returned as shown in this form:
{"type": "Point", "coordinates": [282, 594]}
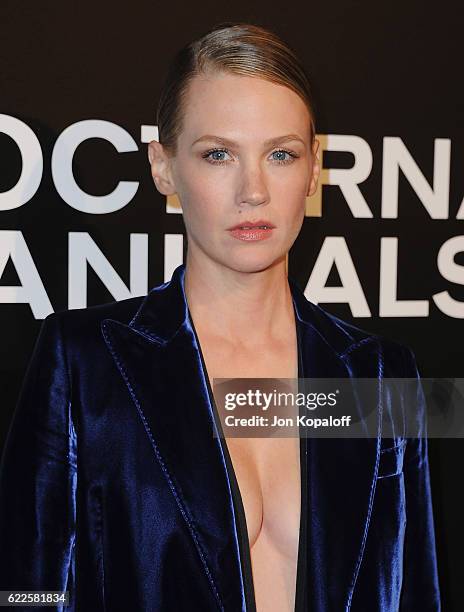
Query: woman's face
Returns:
{"type": "Point", "coordinates": [244, 155]}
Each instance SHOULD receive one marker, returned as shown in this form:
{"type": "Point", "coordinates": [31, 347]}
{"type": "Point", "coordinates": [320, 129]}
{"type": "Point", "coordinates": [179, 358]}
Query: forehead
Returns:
{"type": "Point", "coordinates": [246, 106]}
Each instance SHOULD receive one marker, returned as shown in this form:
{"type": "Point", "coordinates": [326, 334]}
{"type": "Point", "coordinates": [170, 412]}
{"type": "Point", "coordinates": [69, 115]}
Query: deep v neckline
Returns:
{"type": "Point", "coordinates": [239, 512]}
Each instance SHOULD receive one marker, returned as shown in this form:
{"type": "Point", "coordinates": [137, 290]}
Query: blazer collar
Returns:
{"type": "Point", "coordinates": [158, 356]}
{"type": "Point", "coordinates": [164, 310]}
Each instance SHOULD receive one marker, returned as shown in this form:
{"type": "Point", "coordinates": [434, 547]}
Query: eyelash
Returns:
{"type": "Point", "coordinates": [221, 163]}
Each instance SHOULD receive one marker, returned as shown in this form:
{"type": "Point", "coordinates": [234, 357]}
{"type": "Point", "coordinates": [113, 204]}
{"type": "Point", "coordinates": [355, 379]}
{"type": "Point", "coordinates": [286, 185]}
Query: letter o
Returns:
{"type": "Point", "coordinates": [32, 161]}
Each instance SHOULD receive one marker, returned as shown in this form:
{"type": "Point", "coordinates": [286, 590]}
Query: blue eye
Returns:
{"type": "Point", "coordinates": [215, 160]}
{"type": "Point", "coordinates": [281, 160]}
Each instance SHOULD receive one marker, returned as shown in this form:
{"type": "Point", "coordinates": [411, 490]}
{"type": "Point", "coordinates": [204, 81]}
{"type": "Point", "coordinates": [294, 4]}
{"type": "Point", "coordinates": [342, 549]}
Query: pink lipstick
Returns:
{"type": "Point", "coordinates": [251, 231]}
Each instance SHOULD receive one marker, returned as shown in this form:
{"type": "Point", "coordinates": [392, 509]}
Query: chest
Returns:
{"type": "Point", "coordinates": [267, 468]}
{"type": "Point", "coordinates": [268, 475]}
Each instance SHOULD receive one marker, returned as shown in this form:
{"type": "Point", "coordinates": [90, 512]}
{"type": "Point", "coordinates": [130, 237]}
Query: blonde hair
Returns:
{"type": "Point", "coordinates": [237, 48]}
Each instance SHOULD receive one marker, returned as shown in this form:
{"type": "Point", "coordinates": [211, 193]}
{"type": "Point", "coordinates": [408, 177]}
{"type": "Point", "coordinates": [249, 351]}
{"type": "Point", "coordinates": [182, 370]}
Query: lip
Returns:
{"type": "Point", "coordinates": [252, 224]}
{"type": "Point", "coordinates": [253, 234]}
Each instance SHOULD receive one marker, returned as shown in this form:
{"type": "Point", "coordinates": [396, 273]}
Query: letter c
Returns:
{"type": "Point", "coordinates": [62, 158]}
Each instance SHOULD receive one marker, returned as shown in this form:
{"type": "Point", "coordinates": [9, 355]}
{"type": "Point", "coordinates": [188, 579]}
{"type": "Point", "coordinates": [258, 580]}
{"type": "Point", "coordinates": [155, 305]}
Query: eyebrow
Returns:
{"type": "Point", "coordinates": [230, 143]}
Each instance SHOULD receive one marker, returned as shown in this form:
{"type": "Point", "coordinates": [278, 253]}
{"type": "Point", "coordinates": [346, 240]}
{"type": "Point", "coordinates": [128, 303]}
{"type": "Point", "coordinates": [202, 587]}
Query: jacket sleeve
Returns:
{"type": "Point", "coordinates": [420, 590]}
{"type": "Point", "coordinates": [38, 477]}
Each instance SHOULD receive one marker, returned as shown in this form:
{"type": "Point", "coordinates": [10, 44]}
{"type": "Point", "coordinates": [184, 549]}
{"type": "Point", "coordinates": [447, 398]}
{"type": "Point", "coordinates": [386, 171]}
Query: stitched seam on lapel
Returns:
{"type": "Point", "coordinates": [354, 346]}
{"type": "Point", "coordinates": [180, 502]}
{"type": "Point", "coordinates": [143, 331]}
{"type": "Point", "coordinates": [373, 485]}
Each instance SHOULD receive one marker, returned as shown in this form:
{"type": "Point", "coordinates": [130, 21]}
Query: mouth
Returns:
{"type": "Point", "coordinates": [252, 232]}
{"type": "Point", "coordinates": [249, 225]}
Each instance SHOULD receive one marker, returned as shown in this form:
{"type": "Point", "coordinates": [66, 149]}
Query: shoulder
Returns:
{"type": "Point", "coordinates": [350, 340]}
{"type": "Point", "coordinates": [83, 325]}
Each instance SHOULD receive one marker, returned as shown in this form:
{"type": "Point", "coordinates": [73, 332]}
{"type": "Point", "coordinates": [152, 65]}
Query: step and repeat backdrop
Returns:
{"type": "Point", "coordinates": [382, 244]}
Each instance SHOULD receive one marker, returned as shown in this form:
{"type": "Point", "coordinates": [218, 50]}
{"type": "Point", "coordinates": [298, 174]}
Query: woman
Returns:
{"type": "Point", "coordinates": [113, 486]}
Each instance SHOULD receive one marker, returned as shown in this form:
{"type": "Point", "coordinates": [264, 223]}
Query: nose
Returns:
{"type": "Point", "coordinates": [253, 188]}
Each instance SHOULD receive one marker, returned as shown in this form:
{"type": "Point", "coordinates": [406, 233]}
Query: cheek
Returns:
{"type": "Point", "coordinates": [290, 199]}
{"type": "Point", "coordinates": [201, 186]}
{"type": "Point", "coordinates": [199, 196]}
{"type": "Point", "coordinates": [201, 209]}
{"type": "Point", "coordinates": [291, 183]}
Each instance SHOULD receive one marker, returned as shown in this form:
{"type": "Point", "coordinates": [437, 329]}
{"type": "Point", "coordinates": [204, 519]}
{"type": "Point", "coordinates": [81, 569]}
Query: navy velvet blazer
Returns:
{"type": "Point", "coordinates": [113, 488]}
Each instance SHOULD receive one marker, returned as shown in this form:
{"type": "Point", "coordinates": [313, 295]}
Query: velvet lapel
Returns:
{"type": "Point", "coordinates": [341, 472]}
{"type": "Point", "coordinates": [158, 357]}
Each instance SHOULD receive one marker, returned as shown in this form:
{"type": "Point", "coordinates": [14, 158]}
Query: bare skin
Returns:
{"type": "Point", "coordinates": [237, 291]}
{"type": "Point", "coordinates": [267, 470]}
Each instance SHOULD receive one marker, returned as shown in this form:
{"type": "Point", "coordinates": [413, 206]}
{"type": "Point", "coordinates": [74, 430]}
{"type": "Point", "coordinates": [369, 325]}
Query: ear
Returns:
{"type": "Point", "coordinates": [161, 168]}
{"type": "Point", "coordinates": [316, 170]}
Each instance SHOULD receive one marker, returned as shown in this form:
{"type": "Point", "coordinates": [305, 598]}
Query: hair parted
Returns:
{"type": "Point", "coordinates": [233, 47]}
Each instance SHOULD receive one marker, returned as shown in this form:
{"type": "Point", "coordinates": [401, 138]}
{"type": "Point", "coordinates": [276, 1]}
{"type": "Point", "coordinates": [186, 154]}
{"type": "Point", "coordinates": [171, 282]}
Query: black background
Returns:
{"type": "Point", "coordinates": [378, 69]}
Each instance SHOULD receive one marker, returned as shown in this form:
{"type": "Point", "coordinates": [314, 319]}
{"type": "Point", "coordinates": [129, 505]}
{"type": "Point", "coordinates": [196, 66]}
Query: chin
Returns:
{"type": "Point", "coordinates": [254, 262]}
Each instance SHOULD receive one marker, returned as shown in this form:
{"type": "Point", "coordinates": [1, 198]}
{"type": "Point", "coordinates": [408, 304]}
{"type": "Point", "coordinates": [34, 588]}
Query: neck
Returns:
{"type": "Point", "coordinates": [240, 306]}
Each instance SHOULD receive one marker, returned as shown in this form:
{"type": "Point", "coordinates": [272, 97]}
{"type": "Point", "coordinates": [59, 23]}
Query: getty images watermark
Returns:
{"type": "Point", "coordinates": [263, 402]}
{"type": "Point", "coordinates": [340, 407]}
